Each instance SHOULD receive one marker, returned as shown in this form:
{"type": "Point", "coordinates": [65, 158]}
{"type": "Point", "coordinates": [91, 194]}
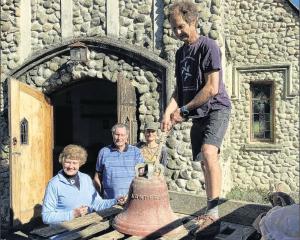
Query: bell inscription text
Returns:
{"type": "Point", "coordinates": [145, 197]}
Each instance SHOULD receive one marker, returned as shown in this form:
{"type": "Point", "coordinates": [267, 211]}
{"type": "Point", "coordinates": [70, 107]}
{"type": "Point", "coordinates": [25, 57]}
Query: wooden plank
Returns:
{"type": "Point", "coordinates": [135, 238]}
{"type": "Point", "coordinates": [76, 223]}
{"type": "Point", "coordinates": [115, 235]}
{"type": "Point", "coordinates": [87, 232]}
{"type": "Point", "coordinates": [110, 212]}
{"type": "Point", "coordinates": [67, 226]}
{"type": "Point", "coordinates": [230, 210]}
{"type": "Point", "coordinates": [181, 234]}
{"type": "Point", "coordinates": [31, 161]}
{"type": "Point", "coordinates": [188, 224]}
{"type": "Point", "coordinates": [14, 132]}
{"type": "Point", "coordinates": [126, 106]}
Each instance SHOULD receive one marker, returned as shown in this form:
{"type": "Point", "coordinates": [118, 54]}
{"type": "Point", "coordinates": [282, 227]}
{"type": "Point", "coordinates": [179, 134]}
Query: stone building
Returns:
{"type": "Point", "coordinates": [71, 69]}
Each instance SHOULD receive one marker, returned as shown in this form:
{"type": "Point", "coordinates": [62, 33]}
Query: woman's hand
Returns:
{"type": "Point", "coordinates": [122, 200]}
{"type": "Point", "coordinates": [81, 211]}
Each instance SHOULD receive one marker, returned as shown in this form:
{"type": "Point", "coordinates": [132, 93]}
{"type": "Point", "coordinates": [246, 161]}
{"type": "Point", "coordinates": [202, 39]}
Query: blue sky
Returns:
{"type": "Point", "coordinates": [296, 2]}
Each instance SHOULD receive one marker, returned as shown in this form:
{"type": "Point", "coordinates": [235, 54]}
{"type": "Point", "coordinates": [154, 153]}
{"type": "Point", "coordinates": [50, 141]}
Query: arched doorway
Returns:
{"type": "Point", "coordinates": [84, 114]}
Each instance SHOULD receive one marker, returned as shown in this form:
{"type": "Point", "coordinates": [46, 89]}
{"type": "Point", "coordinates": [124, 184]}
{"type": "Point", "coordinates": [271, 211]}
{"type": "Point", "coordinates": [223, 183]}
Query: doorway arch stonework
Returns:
{"type": "Point", "coordinates": [52, 70]}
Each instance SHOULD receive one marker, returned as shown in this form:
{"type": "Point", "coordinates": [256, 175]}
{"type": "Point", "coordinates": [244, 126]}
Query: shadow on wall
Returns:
{"type": "Point", "coordinates": [4, 170]}
{"type": "Point", "coordinates": [16, 224]}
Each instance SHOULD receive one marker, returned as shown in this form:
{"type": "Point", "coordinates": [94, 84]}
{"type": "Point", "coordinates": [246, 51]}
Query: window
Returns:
{"type": "Point", "coordinates": [262, 112]}
{"type": "Point", "coordinates": [24, 131]}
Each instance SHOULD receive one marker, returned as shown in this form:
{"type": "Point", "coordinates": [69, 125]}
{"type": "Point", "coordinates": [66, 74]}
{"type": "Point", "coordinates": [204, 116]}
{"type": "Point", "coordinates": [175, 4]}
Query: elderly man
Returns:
{"type": "Point", "coordinates": [115, 167]}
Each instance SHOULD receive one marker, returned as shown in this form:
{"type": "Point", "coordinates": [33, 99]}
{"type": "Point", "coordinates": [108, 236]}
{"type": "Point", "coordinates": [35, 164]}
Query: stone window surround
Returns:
{"type": "Point", "coordinates": [288, 94]}
{"type": "Point", "coordinates": [262, 147]}
{"type": "Point", "coordinates": [286, 67]}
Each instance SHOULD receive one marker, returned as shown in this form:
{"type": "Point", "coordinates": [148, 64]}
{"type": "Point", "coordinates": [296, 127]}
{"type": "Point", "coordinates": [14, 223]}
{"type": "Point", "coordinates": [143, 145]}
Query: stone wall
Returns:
{"type": "Point", "coordinates": [10, 36]}
{"type": "Point", "coordinates": [266, 164]}
{"type": "Point", "coordinates": [45, 19]}
{"type": "Point", "coordinates": [263, 44]}
{"type": "Point", "coordinates": [89, 18]}
{"type": "Point", "coordinates": [136, 22]}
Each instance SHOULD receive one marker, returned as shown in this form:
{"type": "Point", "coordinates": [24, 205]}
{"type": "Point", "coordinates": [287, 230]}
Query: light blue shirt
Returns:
{"type": "Point", "coordinates": [61, 197]}
{"type": "Point", "coordinates": [117, 169]}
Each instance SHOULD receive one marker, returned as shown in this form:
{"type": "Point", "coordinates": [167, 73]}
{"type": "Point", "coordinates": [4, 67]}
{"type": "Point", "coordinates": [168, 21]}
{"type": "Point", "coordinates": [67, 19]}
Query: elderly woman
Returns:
{"type": "Point", "coordinates": [151, 151]}
{"type": "Point", "coordinates": [71, 193]}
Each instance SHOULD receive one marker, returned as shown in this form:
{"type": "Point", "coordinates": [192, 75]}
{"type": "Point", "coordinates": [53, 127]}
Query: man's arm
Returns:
{"type": "Point", "coordinates": [167, 121]}
{"type": "Point", "coordinates": [98, 173]}
{"type": "Point", "coordinates": [97, 182]}
{"type": "Point", "coordinates": [210, 89]}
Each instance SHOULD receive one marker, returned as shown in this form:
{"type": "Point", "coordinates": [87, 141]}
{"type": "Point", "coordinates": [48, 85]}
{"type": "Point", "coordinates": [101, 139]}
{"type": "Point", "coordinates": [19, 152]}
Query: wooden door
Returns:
{"type": "Point", "coordinates": [127, 106]}
{"type": "Point", "coordinates": [31, 134]}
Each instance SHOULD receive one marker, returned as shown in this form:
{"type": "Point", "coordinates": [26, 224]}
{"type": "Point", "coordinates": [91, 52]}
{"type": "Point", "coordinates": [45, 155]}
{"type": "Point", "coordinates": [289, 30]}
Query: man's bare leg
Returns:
{"type": "Point", "coordinates": [212, 174]}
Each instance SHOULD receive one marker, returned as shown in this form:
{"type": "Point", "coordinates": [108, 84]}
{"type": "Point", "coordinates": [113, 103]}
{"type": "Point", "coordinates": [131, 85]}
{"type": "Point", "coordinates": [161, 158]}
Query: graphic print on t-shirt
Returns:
{"type": "Point", "coordinates": [188, 74]}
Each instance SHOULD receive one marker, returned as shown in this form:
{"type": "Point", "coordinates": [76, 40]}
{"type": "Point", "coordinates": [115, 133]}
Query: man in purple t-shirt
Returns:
{"type": "Point", "coordinates": [200, 94]}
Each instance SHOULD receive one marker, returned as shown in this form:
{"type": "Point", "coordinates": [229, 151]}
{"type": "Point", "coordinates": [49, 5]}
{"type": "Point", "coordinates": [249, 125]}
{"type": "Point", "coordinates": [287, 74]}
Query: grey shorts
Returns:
{"type": "Point", "coordinates": [209, 130]}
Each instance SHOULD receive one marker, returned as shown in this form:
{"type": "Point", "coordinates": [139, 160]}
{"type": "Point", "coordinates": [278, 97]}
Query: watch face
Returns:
{"type": "Point", "coordinates": [185, 113]}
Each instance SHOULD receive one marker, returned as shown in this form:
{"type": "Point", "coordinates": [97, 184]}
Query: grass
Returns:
{"type": "Point", "coordinates": [248, 195]}
{"type": "Point", "coordinates": [255, 195]}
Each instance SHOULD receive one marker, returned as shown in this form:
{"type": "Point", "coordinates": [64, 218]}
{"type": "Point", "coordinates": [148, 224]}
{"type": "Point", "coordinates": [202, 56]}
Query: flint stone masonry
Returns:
{"type": "Point", "coordinates": [89, 18]}
{"type": "Point", "coordinates": [110, 67]}
{"type": "Point", "coordinates": [45, 23]}
{"type": "Point", "coordinates": [258, 33]}
{"type": "Point", "coordinates": [259, 41]}
{"type": "Point", "coordinates": [136, 25]}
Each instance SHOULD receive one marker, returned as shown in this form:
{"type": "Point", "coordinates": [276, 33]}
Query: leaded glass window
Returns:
{"type": "Point", "coordinates": [261, 112]}
{"type": "Point", "coordinates": [24, 131]}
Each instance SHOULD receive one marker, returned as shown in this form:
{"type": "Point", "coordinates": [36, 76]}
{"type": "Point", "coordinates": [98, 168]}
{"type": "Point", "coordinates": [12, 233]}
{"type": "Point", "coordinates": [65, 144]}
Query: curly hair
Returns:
{"type": "Point", "coordinates": [186, 9]}
{"type": "Point", "coordinates": [74, 152]}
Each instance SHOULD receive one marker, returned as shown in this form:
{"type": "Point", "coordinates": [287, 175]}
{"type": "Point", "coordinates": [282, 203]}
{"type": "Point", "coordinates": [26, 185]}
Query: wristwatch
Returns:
{"type": "Point", "coordinates": [184, 112]}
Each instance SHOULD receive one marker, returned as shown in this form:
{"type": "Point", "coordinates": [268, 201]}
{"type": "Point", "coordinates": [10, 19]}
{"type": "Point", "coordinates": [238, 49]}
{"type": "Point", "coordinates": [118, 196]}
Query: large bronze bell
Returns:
{"type": "Point", "coordinates": [148, 211]}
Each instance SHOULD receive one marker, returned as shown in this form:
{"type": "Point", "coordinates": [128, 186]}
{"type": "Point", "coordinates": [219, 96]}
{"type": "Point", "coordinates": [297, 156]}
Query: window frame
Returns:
{"type": "Point", "coordinates": [24, 132]}
{"type": "Point", "coordinates": [272, 111]}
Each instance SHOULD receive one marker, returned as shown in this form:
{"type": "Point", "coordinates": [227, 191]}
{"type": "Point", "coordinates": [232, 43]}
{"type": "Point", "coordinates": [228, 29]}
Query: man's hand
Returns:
{"type": "Point", "coordinates": [81, 211]}
{"type": "Point", "coordinates": [176, 116]}
{"type": "Point", "coordinates": [166, 123]}
{"type": "Point", "coordinates": [141, 171]}
{"type": "Point", "coordinates": [122, 200]}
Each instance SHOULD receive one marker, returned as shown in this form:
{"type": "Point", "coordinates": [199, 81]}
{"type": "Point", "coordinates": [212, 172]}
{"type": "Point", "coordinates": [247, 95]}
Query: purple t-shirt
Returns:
{"type": "Point", "coordinates": [192, 61]}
